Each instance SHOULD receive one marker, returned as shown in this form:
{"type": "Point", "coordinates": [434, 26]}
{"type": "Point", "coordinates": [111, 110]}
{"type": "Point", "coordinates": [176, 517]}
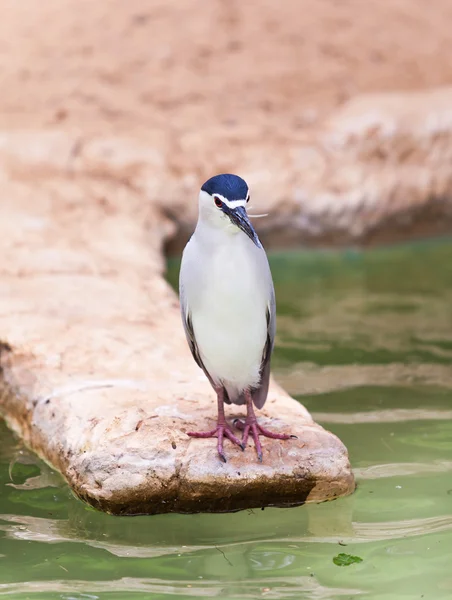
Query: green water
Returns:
{"type": "Point", "coordinates": [365, 341]}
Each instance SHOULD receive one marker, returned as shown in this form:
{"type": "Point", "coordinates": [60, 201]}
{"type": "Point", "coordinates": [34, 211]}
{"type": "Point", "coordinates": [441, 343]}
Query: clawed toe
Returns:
{"type": "Point", "coordinates": [220, 431]}
{"type": "Point", "coordinates": [272, 434]}
{"type": "Point", "coordinates": [256, 430]}
{"type": "Point", "coordinates": [203, 434]}
{"type": "Point", "coordinates": [228, 433]}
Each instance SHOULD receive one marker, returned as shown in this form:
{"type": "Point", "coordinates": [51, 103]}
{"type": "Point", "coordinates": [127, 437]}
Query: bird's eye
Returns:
{"type": "Point", "coordinates": [248, 199]}
{"type": "Point", "coordinates": [217, 201]}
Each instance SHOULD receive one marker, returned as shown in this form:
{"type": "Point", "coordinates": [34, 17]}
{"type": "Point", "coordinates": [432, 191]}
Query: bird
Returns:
{"type": "Point", "coordinates": [228, 309]}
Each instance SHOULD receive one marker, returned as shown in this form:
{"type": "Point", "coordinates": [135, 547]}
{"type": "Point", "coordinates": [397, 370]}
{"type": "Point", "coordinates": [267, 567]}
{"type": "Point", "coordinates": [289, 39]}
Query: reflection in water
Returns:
{"type": "Point", "coordinates": [46, 477]}
{"type": "Point", "coordinates": [403, 469]}
{"type": "Point", "coordinates": [385, 416]}
{"type": "Point", "coordinates": [271, 561]}
{"type": "Point", "coordinates": [361, 311]}
{"type": "Point", "coordinates": [365, 340]}
{"type": "Point", "coordinates": [306, 378]}
{"type": "Point", "coordinates": [292, 587]}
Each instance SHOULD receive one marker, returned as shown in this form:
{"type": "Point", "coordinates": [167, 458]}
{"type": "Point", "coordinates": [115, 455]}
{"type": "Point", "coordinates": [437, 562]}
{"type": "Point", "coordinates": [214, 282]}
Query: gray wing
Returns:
{"type": "Point", "coordinates": [259, 394]}
{"type": "Point", "coordinates": [190, 334]}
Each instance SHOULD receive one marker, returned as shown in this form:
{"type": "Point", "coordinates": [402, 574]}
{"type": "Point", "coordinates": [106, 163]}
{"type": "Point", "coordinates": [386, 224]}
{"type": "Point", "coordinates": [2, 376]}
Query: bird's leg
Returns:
{"type": "Point", "coordinates": [223, 429]}
{"type": "Point", "coordinates": [251, 425]}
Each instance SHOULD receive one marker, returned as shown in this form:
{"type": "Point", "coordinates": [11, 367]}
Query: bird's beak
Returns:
{"type": "Point", "coordinates": [239, 217]}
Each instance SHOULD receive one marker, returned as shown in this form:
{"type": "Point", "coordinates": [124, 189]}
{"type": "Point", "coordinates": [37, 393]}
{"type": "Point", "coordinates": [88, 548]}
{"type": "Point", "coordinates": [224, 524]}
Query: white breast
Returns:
{"type": "Point", "coordinates": [227, 290]}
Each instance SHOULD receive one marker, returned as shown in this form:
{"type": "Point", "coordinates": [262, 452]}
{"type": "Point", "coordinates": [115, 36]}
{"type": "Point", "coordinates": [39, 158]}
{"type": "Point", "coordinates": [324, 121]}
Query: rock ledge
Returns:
{"type": "Point", "coordinates": [95, 373]}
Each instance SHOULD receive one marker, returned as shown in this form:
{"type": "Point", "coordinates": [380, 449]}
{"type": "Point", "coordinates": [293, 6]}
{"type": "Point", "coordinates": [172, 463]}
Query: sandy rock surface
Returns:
{"type": "Point", "coordinates": [337, 113]}
{"type": "Point", "coordinates": [188, 68]}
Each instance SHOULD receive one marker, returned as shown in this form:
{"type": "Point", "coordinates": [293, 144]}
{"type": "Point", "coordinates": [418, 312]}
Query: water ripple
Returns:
{"type": "Point", "coordinates": [46, 530]}
{"type": "Point", "coordinates": [289, 587]}
{"type": "Point", "coordinates": [403, 469]}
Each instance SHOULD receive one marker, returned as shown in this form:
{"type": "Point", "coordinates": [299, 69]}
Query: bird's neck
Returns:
{"type": "Point", "coordinates": [216, 236]}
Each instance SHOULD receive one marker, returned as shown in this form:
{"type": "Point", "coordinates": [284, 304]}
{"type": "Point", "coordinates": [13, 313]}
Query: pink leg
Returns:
{"type": "Point", "coordinates": [251, 425]}
{"type": "Point", "coordinates": [221, 430]}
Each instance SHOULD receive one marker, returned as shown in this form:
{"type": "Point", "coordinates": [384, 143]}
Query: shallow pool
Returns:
{"type": "Point", "coordinates": [365, 341]}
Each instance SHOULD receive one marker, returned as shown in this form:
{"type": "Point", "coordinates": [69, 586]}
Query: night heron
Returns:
{"type": "Point", "coordinates": [228, 307]}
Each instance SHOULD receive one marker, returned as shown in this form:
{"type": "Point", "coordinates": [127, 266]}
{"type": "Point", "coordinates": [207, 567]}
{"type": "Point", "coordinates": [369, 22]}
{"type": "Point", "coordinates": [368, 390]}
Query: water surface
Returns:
{"type": "Point", "coordinates": [365, 341]}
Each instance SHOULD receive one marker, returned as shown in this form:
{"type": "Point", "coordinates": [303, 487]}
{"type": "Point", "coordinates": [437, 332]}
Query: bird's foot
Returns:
{"type": "Point", "coordinates": [252, 426]}
{"type": "Point", "coordinates": [221, 431]}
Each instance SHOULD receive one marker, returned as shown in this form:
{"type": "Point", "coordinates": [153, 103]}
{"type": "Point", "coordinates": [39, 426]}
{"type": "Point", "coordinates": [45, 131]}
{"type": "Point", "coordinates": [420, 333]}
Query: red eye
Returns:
{"type": "Point", "coordinates": [218, 202]}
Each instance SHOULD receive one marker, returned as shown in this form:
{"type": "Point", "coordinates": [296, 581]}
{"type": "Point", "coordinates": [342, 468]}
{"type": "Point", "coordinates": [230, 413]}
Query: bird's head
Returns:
{"type": "Point", "coordinates": [222, 204]}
